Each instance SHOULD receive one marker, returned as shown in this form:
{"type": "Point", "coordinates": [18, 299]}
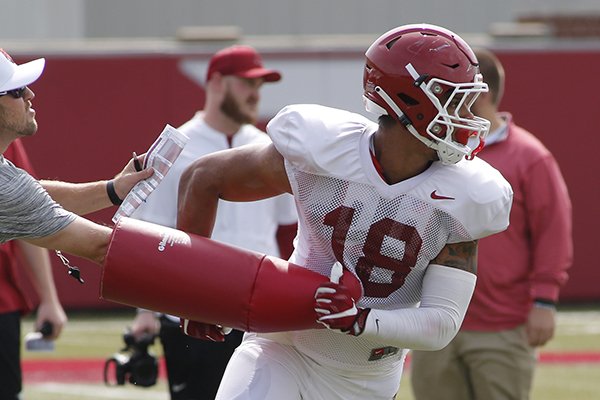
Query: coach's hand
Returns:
{"type": "Point", "coordinates": [335, 307]}
{"type": "Point", "coordinates": [125, 180]}
{"type": "Point", "coordinates": [201, 330]}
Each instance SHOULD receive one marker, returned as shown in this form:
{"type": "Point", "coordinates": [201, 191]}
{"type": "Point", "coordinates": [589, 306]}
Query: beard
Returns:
{"type": "Point", "coordinates": [231, 108]}
{"type": "Point", "coordinates": [29, 129]}
{"type": "Point", "coordinates": [19, 129]}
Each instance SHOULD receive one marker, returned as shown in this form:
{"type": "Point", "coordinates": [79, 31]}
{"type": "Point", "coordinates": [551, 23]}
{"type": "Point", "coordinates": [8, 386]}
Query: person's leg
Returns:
{"type": "Point", "coordinates": [208, 363]}
{"type": "Point", "coordinates": [177, 358]}
{"type": "Point", "coordinates": [10, 356]}
{"type": "Point", "coordinates": [440, 374]}
{"type": "Point", "coordinates": [194, 367]}
{"type": "Point", "coordinates": [269, 367]}
{"type": "Point", "coordinates": [501, 364]}
{"type": "Point", "coordinates": [329, 383]}
{"type": "Point", "coordinates": [261, 369]}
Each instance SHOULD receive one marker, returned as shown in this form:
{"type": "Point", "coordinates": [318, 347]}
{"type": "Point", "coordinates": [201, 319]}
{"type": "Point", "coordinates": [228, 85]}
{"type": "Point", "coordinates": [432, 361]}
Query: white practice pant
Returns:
{"type": "Point", "coordinates": [265, 369]}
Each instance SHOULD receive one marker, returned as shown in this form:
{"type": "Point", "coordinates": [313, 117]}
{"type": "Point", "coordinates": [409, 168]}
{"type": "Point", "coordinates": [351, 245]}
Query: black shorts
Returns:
{"type": "Point", "coordinates": [194, 367]}
{"type": "Point", "coordinates": [10, 355]}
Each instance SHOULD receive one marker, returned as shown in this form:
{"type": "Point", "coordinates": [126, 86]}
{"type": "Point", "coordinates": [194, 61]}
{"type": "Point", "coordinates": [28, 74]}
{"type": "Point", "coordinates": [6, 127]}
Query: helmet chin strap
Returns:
{"type": "Point", "coordinates": [429, 143]}
{"type": "Point", "coordinates": [446, 154]}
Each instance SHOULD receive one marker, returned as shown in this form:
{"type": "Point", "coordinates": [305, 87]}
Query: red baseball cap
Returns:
{"type": "Point", "coordinates": [242, 61]}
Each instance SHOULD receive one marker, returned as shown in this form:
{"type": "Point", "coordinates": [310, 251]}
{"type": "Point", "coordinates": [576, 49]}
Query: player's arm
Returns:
{"type": "Point", "coordinates": [81, 237]}
{"type": "Point", "coordinates": [446, 293]}
{"type": "Point", "coordinates": [246, 173]}
{"type": "Point", "coordinates": [461, 256]}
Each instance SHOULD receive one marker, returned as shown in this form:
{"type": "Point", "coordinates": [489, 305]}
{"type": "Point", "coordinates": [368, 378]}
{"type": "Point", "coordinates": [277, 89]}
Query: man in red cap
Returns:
{"type": "Point", "coordinates": [240, 61]}
{"type": "Point", "coordinates": [233, 81]}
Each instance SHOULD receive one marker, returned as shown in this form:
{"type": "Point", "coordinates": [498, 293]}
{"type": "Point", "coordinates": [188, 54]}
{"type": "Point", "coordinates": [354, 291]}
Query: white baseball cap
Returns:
{"type": "Point", "coordinates": [13, 76]}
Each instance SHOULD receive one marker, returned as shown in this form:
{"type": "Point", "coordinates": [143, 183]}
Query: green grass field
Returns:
{"type": "Point", "coordinates": [98, 335]}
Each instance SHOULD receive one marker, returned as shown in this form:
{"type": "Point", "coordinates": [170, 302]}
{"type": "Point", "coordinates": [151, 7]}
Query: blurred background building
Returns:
{"type": "Point", "coordinates": [54, 19]}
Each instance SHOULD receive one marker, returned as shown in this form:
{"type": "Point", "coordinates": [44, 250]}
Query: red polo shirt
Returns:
{"type": "Point", "coordinates": [12, 295]}
{"type": "Point", "coordinates": [530, 259]}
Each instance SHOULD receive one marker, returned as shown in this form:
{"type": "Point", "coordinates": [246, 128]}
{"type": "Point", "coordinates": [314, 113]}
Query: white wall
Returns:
{"type": "Point", "coordinates": [42, 19]}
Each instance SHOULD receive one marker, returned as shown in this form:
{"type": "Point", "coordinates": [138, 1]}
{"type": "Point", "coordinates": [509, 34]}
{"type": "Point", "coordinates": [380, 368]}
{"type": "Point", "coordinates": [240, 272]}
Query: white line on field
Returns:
{"type": "Point", "coordinates": [94, 391]}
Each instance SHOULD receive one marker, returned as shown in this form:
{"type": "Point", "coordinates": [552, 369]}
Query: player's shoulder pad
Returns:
{"type": "Point", "coordinates": [316, 138]}
{"type": "Point", "coordinates": [483, 197]}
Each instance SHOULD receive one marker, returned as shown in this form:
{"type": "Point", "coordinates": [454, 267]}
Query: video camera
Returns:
{"type": "Point", "coordinates": [133, 363]}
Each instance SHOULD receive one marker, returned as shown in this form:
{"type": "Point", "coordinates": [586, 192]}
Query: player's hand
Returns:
{"type": "Point", "coordinates": [144, 323]}
{"type": "Point", "coordinates": [204, 331]}
{"type": "Point", "coordinates": [335, 307]}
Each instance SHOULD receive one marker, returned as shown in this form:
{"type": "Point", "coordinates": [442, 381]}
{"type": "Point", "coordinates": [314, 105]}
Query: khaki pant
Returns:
{"type": "Point", "coordinates": [476, 366]}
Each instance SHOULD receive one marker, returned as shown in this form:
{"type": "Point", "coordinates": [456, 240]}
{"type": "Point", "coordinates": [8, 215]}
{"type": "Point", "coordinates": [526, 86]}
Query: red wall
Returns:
{"type": "Point", "coordinates": [556, 95]}
{"type": "Point", "coordinates": [93, 111]}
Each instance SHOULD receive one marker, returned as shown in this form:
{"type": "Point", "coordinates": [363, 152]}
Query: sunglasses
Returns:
{"type": "Point", "coordinates": [16, 93]}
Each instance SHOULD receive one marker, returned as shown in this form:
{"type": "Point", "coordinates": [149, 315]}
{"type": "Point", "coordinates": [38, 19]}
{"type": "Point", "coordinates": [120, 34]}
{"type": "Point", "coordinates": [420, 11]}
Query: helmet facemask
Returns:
{"type": "Point", "coordinates": [454, 125]}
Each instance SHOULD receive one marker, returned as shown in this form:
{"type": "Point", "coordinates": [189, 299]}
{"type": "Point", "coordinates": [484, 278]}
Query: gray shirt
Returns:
{"type": "Point", "coordinates": [26, 209]}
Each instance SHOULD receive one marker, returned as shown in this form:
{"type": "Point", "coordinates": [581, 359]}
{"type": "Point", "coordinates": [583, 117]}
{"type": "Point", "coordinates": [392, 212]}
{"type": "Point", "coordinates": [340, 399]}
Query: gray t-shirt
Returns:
{"type": "Point", "coordinates": [26, 209]}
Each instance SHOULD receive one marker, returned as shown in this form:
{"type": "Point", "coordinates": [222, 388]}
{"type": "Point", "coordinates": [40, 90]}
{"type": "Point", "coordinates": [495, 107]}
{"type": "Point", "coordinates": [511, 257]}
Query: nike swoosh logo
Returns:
{"type": "Point", "coordinates": [436, 196]}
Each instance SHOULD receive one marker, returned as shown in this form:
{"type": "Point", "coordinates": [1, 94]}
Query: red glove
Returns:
{"type": "Point", "coordinates": [204, 331]}
{"type": "Point", "coordinates": [336, 308]}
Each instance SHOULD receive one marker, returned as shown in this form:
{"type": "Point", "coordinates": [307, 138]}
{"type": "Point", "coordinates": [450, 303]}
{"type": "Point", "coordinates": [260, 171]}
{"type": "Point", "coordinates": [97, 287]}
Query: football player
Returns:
{"type": "Point", "coordinates": [398, 204]}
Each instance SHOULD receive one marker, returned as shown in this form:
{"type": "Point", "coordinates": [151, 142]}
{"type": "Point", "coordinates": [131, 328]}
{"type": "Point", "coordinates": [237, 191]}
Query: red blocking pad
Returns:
{"type": "Point", "coordinates": [173, 272]}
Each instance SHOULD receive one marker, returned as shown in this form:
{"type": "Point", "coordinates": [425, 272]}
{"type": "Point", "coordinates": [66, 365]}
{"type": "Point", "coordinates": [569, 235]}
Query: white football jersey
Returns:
{"type": "Point", "coordinates": [385, 234]}
{"type": "Point", "coordinates": [251, 225]}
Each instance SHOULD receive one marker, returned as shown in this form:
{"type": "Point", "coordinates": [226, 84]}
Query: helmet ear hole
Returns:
{"type": "Point", "coordinates": [408, 100]}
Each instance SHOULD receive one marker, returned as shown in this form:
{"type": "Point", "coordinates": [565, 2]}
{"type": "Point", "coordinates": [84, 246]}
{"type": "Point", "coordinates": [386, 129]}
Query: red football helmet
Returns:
{"type": "Point", "coordinates": [427, 77]}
